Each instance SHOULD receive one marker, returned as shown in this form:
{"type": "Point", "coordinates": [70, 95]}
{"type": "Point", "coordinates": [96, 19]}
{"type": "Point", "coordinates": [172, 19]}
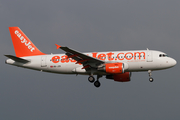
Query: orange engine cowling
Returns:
{"type": "Point", "coordinates": [125, 77]}
{"type": "Point", "coordinates": [114, 68]}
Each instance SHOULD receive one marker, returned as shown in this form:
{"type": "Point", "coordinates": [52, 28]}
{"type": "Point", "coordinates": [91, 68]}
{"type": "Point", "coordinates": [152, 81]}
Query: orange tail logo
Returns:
{"type": "Point", "coordinates": [22, 44]}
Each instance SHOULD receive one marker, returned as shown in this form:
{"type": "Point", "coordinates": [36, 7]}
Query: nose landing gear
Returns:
{"type": "Point", "coordinates": [150, 74]}
{"type": "Point", "coordinates": [151, 79]}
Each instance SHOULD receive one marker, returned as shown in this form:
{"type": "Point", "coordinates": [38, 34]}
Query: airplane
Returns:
{"type": "Point", "coordinates": [114, 65]}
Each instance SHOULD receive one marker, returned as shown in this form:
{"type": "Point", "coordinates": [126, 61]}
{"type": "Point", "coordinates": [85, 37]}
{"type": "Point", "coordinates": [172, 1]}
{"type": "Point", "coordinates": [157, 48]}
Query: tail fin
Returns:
{"type": "Point", "coordinates": [22, 44]}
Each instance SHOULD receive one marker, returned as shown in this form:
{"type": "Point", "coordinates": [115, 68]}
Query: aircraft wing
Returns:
{"type": "Point", "coordinates": [84, 59]}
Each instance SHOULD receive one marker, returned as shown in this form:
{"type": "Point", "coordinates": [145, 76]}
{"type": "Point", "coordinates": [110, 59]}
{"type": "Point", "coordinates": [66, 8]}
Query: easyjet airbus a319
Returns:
{"type": "Point", "coordinates": [115, 65]}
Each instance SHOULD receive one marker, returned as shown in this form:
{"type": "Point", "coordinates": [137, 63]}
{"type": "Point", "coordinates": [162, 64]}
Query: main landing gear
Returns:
{"type": "Point", "coordinates": [91, 79]}
{"type": "Point", "coordinates": [150, 74]}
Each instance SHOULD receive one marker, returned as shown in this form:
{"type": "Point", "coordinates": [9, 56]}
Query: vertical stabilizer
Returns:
{"type": "Point", "coordinates": [22, 44]}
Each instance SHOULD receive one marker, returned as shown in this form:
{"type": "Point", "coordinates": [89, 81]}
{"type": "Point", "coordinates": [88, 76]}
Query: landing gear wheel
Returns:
{"type": "Point", "coordinates": [150, 74]}
{"type": "Point", "coordinates": [97, 83]}
{"type": "Point", "coordinates": [91, 79]}
{"type": "Point", "coordinates": [151, 79]}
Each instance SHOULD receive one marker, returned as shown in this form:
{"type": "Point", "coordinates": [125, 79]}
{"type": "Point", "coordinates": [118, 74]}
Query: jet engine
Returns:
{"type": "Point", "coordinates": [113, 68]}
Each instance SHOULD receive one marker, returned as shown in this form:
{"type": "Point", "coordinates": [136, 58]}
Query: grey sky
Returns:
{"type": "Point", "coordinates": [90, 25]}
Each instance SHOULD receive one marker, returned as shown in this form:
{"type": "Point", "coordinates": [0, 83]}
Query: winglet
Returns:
{"type": "Point", "coordinates": [58, 46]}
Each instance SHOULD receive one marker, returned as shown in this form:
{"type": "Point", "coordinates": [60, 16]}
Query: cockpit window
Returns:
{"type": "Point", "coordinates": [162, 55]}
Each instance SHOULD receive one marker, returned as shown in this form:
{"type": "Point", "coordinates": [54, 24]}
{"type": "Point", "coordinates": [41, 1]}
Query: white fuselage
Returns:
{"type": "Point", "coordinates": [140, 60]}
{"type": "Point", "coordinates": [115, 65]}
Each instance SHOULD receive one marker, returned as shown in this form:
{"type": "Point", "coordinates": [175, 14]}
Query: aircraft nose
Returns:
{"type": "Point", "coordinates": [173, 62]}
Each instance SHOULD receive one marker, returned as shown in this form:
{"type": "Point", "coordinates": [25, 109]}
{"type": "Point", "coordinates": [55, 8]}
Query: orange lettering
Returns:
{"type": "Point", "coordinates": [101, 56]}
{"type": "Point", "coordinates": [64, 59]}
{"type": "Point", "coordinates": [94, 55]}
{"type": "Point", "coordinates": [55, 59]}
{"type": "Point", "coordinates": [118, 56]}
{"type": "Point", "coordinates": [72, 60]}
{"type": "Point", "coordinates": [110, 56]}
{"type": "Point", "coordinates": [139, 54]}
{"type": "Point", "coordinates": [130, 57]}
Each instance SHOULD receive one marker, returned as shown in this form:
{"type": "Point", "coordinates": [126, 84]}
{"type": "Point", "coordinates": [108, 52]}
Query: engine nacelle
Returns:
{"type": "Point", "coordinates": [125, 77]}
{"type": "Point", "coordinates": [112, 68]}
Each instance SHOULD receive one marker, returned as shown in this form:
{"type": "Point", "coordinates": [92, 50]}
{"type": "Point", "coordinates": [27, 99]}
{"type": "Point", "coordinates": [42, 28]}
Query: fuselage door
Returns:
{"type": "Point", "coordinates": [149, 56]}
{"type": "Point", "coordinates": [43, 61]}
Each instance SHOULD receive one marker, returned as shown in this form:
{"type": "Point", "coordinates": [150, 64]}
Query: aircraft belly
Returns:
{"type": "Point", "coordinates": [141, 66]}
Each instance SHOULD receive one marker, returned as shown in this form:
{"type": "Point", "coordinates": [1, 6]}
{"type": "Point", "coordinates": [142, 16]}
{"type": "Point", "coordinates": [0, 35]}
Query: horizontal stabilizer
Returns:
{"type": "Point", "coordinates": [17, 59]}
